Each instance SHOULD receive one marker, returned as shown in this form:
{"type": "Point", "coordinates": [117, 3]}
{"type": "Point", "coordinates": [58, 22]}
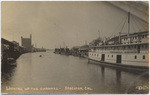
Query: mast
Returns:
{"type": "Point", "coordinates": [99, 34]}
{"type": "Point", "coordinates": [119, 38]}
{"type": "Point", "coordinates": [64, 44]}
{"type": "Point", "coordinates": [128, 23]}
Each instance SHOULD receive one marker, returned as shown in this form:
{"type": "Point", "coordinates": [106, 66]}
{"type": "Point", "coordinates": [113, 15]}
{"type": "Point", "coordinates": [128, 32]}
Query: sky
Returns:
{"type": "Point", "coordinates": [54, 24]}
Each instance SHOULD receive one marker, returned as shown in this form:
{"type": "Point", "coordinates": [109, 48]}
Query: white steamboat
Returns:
{"type": "Point", "coordinates": [130, 49]}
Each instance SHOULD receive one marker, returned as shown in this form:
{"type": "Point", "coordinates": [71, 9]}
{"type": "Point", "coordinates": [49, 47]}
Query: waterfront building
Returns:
{"type": "Point", "coordinates": [10, 50]}
{"type": "Point", "coordinates": [27, 43]}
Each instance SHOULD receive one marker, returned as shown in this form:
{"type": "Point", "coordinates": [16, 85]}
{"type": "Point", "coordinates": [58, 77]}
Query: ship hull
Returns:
{"type": "Point", "coordinates": [125, 61]}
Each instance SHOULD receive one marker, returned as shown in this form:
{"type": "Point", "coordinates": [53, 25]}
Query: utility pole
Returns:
{"type": "Point", "coordinates": [85, 42]}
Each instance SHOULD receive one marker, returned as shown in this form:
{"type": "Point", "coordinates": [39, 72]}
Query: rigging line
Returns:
{"type": "Point", "coordinates": [140, 23]}
{"type": "Point", "coordinates": [135, 22]}
{"type": "Point", "coordinates": [116, 28]}
{"type": "Point", "coordinates": [127, 6]}
{"type": "Point", "coordinates": [133, 26]}
{"type": "Point", "coordinates": [143, 26]}
{"type": "Point", "coordinates": [114, 33]}
{"type": "Point", "coordinates": [123, 25]}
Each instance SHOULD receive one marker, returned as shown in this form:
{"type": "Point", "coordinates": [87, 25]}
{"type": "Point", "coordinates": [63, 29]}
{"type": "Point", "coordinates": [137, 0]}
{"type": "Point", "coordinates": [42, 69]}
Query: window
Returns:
{"type": "Point", "coordinates": [135, 46]}
{"type": "Point", "coordinates": [112, 55]}
{"type": "Point", "coordinates": [129, 46]}
{"type": "Point", "coordinates": [142, 46]}
{"type": "Point", "coordinates": [146, 46]}
{"type": "Point", "coordinates": [135, 57]}
{"type": "Point", "coordinates": [97, 54]}
{"type": "Point", "coordinates": [143, 56]}
{"type": "Point", "coordinates": [143, 36]}
{"type": "Point", "coordinates": [108, 55]}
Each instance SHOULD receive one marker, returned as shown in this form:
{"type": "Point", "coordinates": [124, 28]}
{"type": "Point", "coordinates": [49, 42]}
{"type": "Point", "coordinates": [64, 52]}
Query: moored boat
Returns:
{"type": "Point", "coordinates": [127, 50]}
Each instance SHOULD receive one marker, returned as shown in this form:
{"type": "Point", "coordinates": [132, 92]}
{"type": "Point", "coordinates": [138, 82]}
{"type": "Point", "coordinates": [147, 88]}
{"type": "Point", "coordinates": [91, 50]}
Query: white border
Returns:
{"type": "Point", "coordinates": [76, 0]}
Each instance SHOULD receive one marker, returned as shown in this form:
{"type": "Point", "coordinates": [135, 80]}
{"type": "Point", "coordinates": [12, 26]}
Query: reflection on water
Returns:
{"type": "Point", "coordinates": [8, 72]}
{"type": "Point", "coordinates": [60, 74]}
{"type": "Point", "coordinates": [118, 76]}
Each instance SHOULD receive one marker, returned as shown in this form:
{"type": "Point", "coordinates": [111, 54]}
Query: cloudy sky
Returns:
{"type": "Point", "coordinates": [55, 24]}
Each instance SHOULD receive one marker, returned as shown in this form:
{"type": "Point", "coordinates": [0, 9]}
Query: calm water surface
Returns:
{"type": "Point", "coordinates": [57, 74]}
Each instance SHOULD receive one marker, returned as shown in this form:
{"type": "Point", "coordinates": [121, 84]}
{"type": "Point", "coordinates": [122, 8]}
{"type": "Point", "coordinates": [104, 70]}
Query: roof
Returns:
{"type": "Point", "coordinates": [76, 47]}
{"type": "Point", "coordinates": [113, 39]}
{"type": "Point", "coordinates": [4, 41]}
{"type": "Point", "coordinates": [119, 45]}
{"type": "Point", "coordinates": [84, 47]}
{"type": "Point", "coordinates": [137, 33]}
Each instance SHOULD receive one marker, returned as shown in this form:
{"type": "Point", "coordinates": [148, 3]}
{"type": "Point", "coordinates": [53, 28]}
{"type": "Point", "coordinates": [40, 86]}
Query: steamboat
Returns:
{"type": "Point", "coordinates": [125, 50]}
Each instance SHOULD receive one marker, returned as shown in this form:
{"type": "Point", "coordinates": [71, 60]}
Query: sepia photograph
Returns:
{"type": "Point", "coordinates": [74, 47]}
